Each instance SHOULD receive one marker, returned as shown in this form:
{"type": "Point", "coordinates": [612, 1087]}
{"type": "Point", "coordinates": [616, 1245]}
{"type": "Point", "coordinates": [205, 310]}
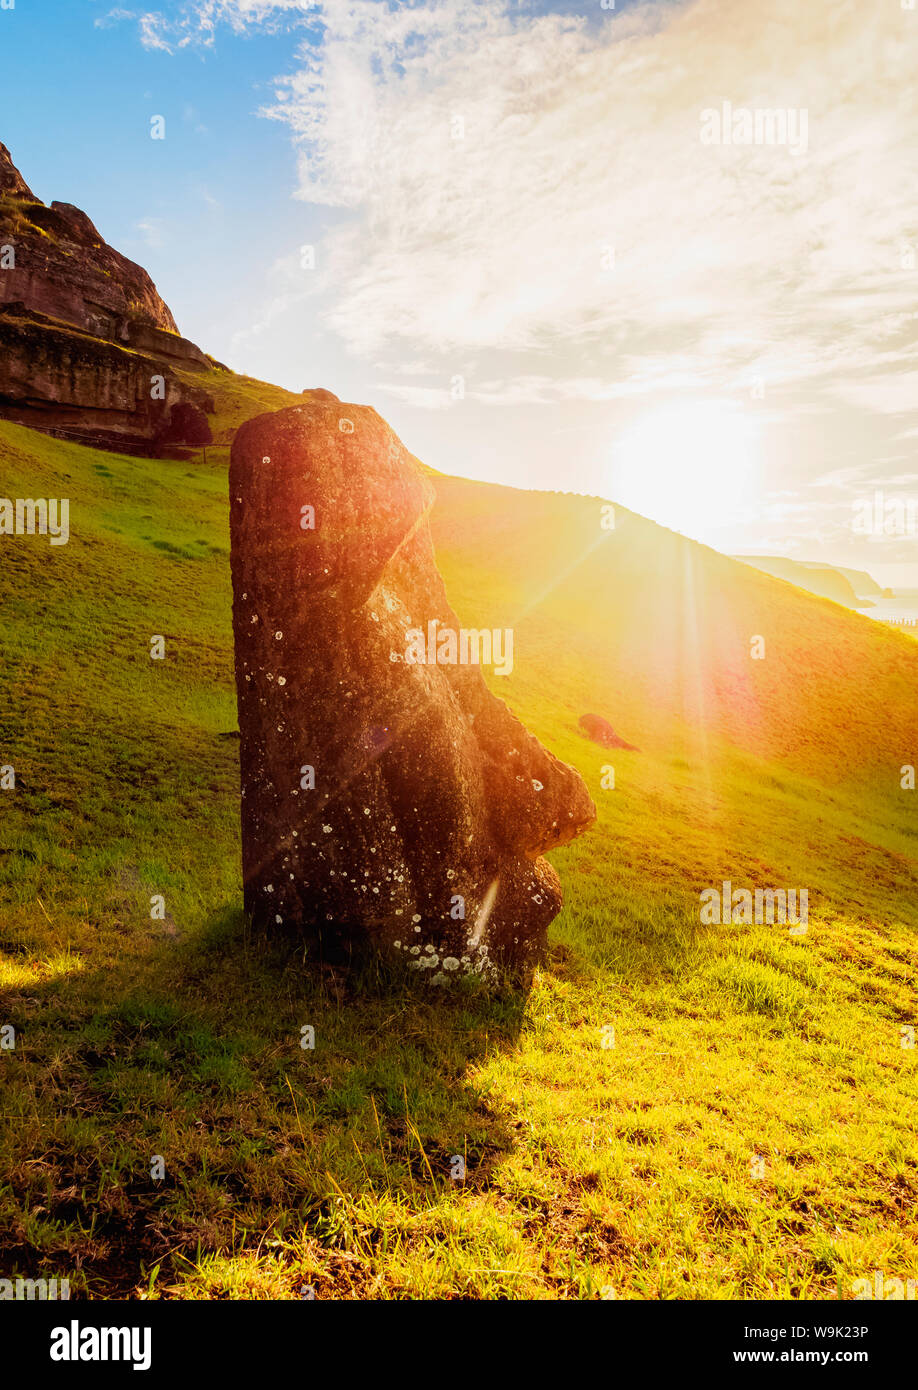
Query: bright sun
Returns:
{"type": "Point", "coordinates": [693, 468]}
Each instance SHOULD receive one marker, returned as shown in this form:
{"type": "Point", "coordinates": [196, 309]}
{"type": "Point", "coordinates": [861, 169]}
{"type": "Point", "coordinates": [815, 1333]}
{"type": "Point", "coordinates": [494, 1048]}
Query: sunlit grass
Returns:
{"type": "Point", "coordinates": [589, 1170]}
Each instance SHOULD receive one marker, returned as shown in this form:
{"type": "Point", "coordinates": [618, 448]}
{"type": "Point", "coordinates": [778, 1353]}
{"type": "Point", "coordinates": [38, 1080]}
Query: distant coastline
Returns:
{"type": "Point", "coordinates": [900, 611]}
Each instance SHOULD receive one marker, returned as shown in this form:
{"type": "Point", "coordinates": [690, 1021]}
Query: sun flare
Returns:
{"type": "Point", "coordinates": [693, 468]}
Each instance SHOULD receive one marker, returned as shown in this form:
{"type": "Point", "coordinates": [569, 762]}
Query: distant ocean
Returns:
{"type": "Point", "coordinates": [901, 611]}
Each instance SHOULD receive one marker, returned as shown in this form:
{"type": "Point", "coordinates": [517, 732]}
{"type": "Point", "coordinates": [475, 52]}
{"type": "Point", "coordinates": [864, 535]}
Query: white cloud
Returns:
{"type": "Point", "coordinates": [153, 31]}
{"type": "Point", "coordinates": [489, 160]}
{"type": "Point", "coordinates": [422, 397]}
{"type": "Point", "coordinates": [151, 229]}
{"type": "Point", "coordinates": [197, 21]}
{"type": "Point", "coordinates": [493, 161]}
{"type": "Point", "coordinates": [487, 165]}
{"type": "Point", "coordinates": [106, 21]}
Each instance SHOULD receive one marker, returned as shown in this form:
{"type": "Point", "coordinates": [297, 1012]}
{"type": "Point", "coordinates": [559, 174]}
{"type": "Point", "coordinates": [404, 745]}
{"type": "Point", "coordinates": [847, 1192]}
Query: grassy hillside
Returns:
{"type": "Point", "coordinates": [236, 398]}
{"type": "Point", "coordinates": [589, 1168]}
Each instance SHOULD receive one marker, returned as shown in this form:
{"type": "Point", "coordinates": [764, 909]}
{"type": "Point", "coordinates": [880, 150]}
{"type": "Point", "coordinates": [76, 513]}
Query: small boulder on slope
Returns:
{"type": "Point", "coordinates": [601, 732]}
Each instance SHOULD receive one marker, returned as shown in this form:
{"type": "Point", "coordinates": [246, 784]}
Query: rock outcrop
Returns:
{"type": "Point", "coordinates": [71, 385]}
{"type": "Point", "coordinates": [386, 801]}
{"type": "Point", "coordinates": [12, 184]}
{"type": "Point", "coordinates": [601, 732]}
{"type": "Point", "coordinates": [187, 425]}
{"type": "Point", "coordinates": [87, 324]}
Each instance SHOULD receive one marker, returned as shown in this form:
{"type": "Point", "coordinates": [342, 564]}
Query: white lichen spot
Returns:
{"type": "Point", "coordinates": [450, 963]}
{"type": "Point", "coordinates": [282, 680]}
{"type": "Point", "coordinates": [326, 829]}
{"type": "Point", "coordinates": [537, 786]}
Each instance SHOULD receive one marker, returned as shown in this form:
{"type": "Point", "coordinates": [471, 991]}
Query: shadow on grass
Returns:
{"type": "Point", "coordinates": [279, 1097]}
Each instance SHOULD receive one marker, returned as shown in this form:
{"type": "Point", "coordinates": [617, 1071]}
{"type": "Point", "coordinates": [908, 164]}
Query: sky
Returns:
{"type": "Point", "coordinates": [664, 253]}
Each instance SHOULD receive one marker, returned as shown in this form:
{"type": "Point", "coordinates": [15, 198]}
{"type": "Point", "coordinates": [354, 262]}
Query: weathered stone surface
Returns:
{"type": "Point", "coordinates": [66, 271]}
{"type": "Point", "coordinates": [74, 386]}
{"type": "Point", "coordinates": [601, 732]}
{"type": "Point", "coordinates": [430, 797]}
{"type": "Point", "coordinates": [12, 184]}
{"type": "Point", "coordinates": [58, 276]}
{"type": "Point", "coordinates": [187, 424]}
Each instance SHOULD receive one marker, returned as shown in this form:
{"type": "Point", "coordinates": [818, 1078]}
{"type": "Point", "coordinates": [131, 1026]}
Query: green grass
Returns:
{"type": "Point", "coordinates": [589, 1170]}
{"type": "Point", "coordinates": [236, 398]}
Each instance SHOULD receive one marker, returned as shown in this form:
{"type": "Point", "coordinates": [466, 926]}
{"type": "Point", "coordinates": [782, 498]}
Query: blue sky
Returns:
{"type": "Point", "coordinates": [208, 208]}
{"type": "Point", "coordinates": [528, 255]}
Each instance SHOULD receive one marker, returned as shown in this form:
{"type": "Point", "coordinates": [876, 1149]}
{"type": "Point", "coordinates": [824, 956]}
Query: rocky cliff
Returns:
{"type": "Point", "coordinates": [88, 349]}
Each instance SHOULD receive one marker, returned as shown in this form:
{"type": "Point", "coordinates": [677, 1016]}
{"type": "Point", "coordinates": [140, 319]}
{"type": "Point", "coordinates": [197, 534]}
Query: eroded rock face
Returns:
{"type": "Point", "coordinates": [385, 801]}
{"type": "Point", "coordinates": [12, 184]}
{"type": "Point", "coordinates": [87, 323]}
{"type": "Point", "coordinates": [71, 385]}
{"type": "Point", "coordinates": [65, 270]}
